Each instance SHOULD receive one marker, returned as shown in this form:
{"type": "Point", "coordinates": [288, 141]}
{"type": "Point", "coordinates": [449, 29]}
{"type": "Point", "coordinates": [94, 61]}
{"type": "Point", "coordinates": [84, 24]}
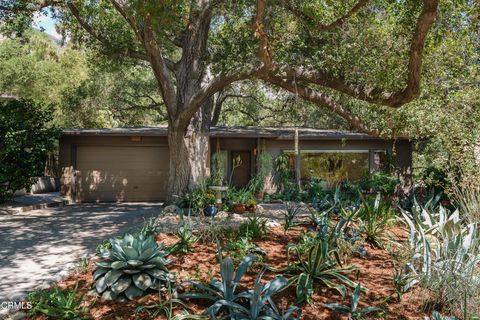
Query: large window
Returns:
{"type": "Point", "coordinates": [332, 166]}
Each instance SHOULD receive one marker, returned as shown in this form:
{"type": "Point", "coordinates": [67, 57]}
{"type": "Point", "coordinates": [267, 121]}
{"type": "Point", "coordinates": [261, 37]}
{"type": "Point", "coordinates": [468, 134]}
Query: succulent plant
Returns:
{"type": "Point", "coordinates": [134, 264]}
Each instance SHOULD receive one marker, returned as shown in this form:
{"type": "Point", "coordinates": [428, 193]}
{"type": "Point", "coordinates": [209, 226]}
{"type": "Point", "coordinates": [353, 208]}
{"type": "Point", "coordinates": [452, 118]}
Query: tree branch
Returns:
{"type": "Point", "coordinates": [159, 65]}
{"type": "Point", "coordinates": [217, 84]}
{"type": "Point", "coordinates": [321, 99]}
{"type": "Point", "coordinates": [372, 94]}
{"type": "Point", "coordinates": [325, 27]}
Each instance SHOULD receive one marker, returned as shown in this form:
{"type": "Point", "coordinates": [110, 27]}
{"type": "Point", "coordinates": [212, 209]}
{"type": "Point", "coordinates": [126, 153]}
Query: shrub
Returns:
{"type": "Point", "coordinates": [380, 181]}
{"type": "Point", "coordinates": [25, 141]}
{"type": "Point", "coordinates": [134, 264]}
{"type": "Point", "coordinates": [58, 304]}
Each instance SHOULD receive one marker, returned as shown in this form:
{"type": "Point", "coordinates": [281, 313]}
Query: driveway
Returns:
{"type": "Point", "coordinates": [36, 247]}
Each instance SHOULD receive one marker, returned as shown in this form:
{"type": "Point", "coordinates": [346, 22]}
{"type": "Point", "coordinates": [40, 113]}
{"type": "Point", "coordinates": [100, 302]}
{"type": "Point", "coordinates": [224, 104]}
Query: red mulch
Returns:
{"type": "Point", "coordinates": [375, 272]}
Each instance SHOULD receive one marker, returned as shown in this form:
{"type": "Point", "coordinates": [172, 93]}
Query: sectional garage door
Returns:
{"type": "Point", "coordinates": [111, 173]}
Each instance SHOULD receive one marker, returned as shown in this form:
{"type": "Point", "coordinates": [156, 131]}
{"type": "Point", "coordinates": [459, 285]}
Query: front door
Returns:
{"type": "Point", "coordinates": [241, 173]}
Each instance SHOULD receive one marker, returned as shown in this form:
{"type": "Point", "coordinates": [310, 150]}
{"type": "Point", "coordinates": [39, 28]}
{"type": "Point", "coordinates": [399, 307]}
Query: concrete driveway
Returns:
{"type": "Point", "coordinates": [36, 247]}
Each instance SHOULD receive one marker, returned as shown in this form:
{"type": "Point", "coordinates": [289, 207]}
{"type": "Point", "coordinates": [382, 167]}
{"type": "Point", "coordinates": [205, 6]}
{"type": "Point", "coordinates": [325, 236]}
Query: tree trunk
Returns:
{"type": "Point", "coordinates": [189, 147]}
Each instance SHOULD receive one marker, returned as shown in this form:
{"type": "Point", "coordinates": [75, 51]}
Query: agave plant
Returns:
{"type": "Point", "coordinates": [134, 264]}
{"type": "Point", "coordinates": [224, 290]}
{"type": "Point", "coordinates": [353, 312]}
{"type": "Point", "coordinates": [259, 302]}
{"type": "Point", "coordinates": [250, 304]}
{"type": "Point", "coordinates": [446, 255]}
{"type": "Point", "coordinates": [319, 265]}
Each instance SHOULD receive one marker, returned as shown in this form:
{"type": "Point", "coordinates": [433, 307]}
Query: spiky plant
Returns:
{"type": "Point", "coordinates": [250, 304]}
{"type": "Point", "coordinates": [321, 263]}
{"type": "Point", "coordinates": [352, 310]}
{"type": "Point", "coordinates": [134, 264]}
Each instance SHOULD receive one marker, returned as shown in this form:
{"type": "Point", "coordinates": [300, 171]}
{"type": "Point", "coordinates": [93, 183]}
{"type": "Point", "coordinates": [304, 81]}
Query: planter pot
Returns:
{"type": "Point", "coordinates": [252, 208]}
{"type": "Point", "coordinates": [259, 195]}
{"type": "Point", "coordinates": [239, 208]}
{"type": "Point", "coordinates": [210, 211]}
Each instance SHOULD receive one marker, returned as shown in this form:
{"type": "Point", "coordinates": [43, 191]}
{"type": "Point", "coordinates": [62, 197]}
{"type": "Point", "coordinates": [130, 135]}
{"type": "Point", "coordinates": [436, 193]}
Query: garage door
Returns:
{"type": "Point", "coordinates": [107, 173]}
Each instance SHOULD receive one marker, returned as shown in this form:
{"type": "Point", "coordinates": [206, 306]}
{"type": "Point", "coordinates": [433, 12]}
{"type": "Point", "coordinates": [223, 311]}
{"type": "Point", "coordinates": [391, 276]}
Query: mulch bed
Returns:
{"type": "Point", "coordinates": [375, 271]}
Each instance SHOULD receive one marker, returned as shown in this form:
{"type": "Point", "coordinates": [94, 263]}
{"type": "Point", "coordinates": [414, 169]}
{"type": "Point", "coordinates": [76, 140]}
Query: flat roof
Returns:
{"type": "Point", "coordinates": [280, 133]}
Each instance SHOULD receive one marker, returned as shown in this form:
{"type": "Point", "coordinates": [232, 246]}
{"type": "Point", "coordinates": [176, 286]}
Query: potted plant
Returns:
{"type": "Point", "coordinates": [210, 210]}
{"type": "Point", "coordinates": [252, 204]}
{"type": "Point", "coordinates": [239, 199]}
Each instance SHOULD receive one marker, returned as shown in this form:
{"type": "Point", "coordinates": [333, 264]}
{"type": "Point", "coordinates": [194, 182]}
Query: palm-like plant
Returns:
{"type": "Point", "coordinates": [186, 240]}
{"type": "Point", "coordinates": [319, 265]}
{"type": "Point", "coordinates": [353, 312]}
{"type": "Point", "coordinates": [375, 216]}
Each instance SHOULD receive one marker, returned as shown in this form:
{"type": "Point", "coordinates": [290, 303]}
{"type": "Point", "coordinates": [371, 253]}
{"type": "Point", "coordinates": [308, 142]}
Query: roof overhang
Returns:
{"type": "Point", "coordinates": [279, 133]}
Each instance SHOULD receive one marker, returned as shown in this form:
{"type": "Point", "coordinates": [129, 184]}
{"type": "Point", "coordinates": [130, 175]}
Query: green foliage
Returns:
{"type": "Point", "coordinates": [134, 264]}
{"type": "Point", "coordinates": [186, 240]}
{"type": "Point", "coordinates": [168, 306]}
{"type": "Point", "coordinates": [290, 215]}
{"type": "Point", "coordinates": [58, 304]}
{"type": "Point", "coordinates": [219, 161]}
{"type": "Point", "coordinates": [445, 257]}
{"type": "Point", "coordinates": [264, 168]}
{"type": "Point", "coordinates": [254, 228]}
{"type": "Point", "coordinates": [375, 216]}
{"type": "Point", "coordinates": [25, 141]}
{"type": "Point", "coordinates": [149, 228]}
{"type": "Point", "coordinates": [320, 262]}
{"type": "Point", "coordinates": [282, 170]}
{"type": "Point", "coordinates": [380, 181]}
{"type": "Point", "coordinates": [223, 293]}
{"type": "Point", "coordinates": [239, 247]}
{"type": "Point", "coordinates": [353, 311]}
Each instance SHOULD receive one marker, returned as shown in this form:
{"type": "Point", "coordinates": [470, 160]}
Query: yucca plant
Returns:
{"type": "Point", "coordinates": [352, 310]}
{"type": "Point", "coordinates": [291, 212]}
{"type": "Point", "coordinates": [134, 264]}
{"type": "Point", "coordinates": [321, 263]}
{"type": "Point", "coordinates": [375, 216]}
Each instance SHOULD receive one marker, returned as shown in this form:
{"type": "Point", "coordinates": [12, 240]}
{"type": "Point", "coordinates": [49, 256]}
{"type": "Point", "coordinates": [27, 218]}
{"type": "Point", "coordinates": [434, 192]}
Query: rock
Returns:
{"type": "Point", "coordinates": [222, 215]}
{"type": "Point", "coordinates": [172, 209]}
{"type": "Point", "coordinates": [260, 209]}
{"type": "Point", "coordinates": [273, 224]}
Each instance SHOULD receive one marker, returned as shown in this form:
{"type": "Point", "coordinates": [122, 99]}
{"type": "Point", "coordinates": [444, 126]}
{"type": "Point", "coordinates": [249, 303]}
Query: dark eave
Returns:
{"type": "Point", "coordinates": [280, 133]}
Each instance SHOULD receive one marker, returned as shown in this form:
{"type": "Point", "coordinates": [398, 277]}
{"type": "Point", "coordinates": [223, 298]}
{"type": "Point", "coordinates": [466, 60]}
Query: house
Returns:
{"type": "Point", "coordinates": [131, 164]}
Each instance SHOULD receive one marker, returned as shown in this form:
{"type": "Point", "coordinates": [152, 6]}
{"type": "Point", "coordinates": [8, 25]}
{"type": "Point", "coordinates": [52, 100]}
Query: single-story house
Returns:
{"type": "Point", "coordinates": [131, 164]}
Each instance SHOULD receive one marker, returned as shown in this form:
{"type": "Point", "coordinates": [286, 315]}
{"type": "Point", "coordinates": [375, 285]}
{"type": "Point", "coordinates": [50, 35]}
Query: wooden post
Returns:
{"type": "Point", "coordinates": [297, 160]}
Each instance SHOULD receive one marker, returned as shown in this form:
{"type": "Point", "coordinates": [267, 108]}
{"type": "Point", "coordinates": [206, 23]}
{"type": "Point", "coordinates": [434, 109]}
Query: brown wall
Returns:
{"type": "Point", "coordinates": [402, 151]}
{"type": "Point", "coordinates": [67, 154]}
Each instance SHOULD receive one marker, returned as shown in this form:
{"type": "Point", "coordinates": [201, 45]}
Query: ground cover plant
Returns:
{"type": "Point", "coordinates": [310, 269]}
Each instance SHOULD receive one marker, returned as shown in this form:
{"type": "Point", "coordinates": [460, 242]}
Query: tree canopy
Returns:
{"type": "Point", "coordinates": [365, 63]}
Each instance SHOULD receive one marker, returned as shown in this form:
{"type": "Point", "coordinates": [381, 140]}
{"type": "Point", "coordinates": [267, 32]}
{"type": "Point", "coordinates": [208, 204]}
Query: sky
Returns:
{"type": "Point", "coordinates": [47, 23]}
